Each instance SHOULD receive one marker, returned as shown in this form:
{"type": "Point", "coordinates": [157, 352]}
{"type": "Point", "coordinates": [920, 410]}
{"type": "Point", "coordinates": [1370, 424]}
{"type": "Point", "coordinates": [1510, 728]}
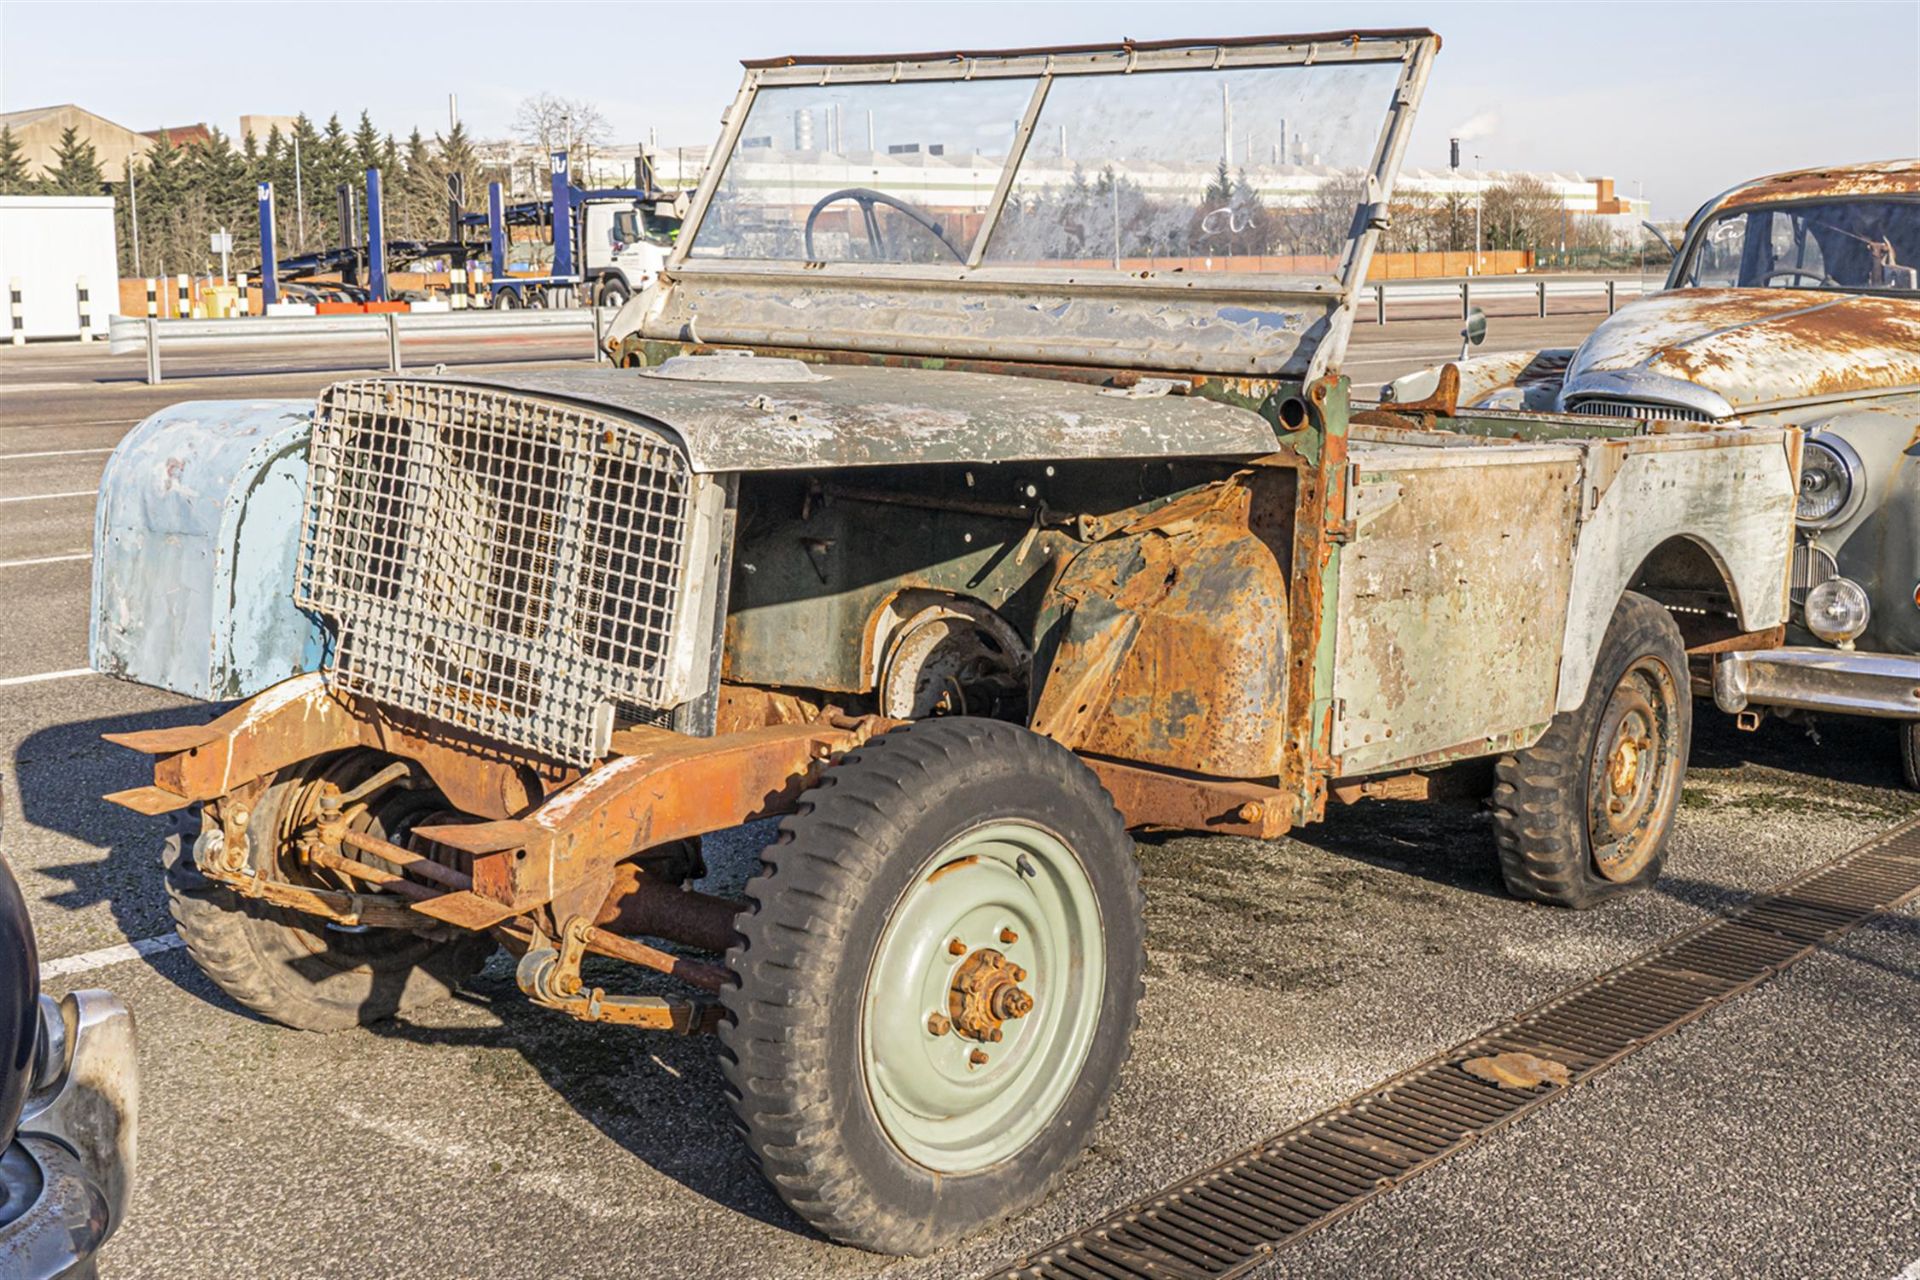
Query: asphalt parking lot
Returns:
{"type": "Point", "coordinates": [1779, 1136]}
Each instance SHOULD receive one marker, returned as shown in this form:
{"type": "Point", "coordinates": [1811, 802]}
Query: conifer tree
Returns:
{"type": "Point", "coordinates": [14, 179]}
{"type": "Point", "coordinates": [76, 167]}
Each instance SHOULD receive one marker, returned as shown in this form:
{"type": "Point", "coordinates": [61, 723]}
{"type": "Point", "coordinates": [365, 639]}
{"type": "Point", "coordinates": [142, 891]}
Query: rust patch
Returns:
{"type": "Point", "coordinates": [1888, 178]}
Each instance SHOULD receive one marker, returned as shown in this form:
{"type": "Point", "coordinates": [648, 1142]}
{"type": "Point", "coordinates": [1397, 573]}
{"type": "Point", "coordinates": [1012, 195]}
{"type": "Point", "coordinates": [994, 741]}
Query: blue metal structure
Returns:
{"type": "Point", "coordinates": [563, 190]}
{"type": "Point", "coordinates": [269, 266]}
{"type": "Point", "coordinates": [376, 239]}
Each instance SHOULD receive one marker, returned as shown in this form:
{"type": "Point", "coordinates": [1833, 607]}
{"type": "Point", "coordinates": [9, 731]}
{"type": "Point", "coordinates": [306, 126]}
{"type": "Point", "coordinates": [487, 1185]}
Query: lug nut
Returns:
{"type": "Point", "coordinates": [995, 1035]}
{"type": "Point", "coordinates": [1009, 937]}
{"type": "Point", "coordinates": [1019, 974]}
{"type": "Point", "coordinates": [956, 948]}
{"type": "Point", "coordinates": [938, 1025]}
{"type": "Point", "coordinates": [978, 1057]}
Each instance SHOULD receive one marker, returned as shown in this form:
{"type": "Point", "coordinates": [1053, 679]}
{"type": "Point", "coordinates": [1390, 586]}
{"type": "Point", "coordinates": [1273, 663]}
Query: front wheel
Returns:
{"type": "Point", "coordinates": [1910, 754]}
{"type": "Point", "coordinates": [939, 976]}
{"type": "Point", "coordinates": [1583, 814]}
{"type": "Point", "coordinates": [294, 968]}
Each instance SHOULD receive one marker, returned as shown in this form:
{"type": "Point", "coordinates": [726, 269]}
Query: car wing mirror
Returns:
{"type": "Point", "coordinates": [1474, 331]}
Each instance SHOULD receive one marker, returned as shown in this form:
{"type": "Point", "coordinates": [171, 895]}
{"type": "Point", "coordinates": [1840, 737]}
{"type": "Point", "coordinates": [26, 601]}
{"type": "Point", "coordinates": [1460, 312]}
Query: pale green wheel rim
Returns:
{"type": "Point", "coordinates": [941, 1110]}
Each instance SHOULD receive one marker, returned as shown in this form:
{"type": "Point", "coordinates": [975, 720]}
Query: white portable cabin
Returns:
{"type": "Point", "coordinates": [49, 244]}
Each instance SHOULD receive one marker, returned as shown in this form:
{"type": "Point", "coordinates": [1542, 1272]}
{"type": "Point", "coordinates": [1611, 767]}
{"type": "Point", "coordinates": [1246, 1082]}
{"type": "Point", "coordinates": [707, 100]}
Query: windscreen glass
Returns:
{"type": "Point", "coordinates": [897, 173]}
{"type": "Point", "coordinates": [1871, 245]}
{"type": "Point", "coordinates": [1247, 169]}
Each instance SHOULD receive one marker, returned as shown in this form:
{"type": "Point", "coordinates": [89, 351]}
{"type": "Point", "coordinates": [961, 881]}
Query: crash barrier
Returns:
{"type": "Point", "coordinates": [1469, 292]}
{"type": "Point", "coordinates": [146, 333]}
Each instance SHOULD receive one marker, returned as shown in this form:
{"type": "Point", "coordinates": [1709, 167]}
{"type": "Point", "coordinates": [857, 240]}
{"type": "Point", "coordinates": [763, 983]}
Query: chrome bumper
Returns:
{"type": "Point", "coordinates": [71, 1164]}
{"type": "Point", "coordinates": [1813, 679]}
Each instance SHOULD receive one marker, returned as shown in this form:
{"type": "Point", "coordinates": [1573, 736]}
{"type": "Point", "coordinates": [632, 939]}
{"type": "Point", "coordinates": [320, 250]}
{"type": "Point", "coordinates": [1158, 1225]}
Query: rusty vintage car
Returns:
{"type": "Point", "coordinates": [1793, 300]}
{"type": "Point", "coordinates": [973, 487]}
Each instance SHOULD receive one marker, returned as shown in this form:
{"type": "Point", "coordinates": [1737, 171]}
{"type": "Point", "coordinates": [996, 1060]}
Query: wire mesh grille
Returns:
{"type": "Point", "coordinates": [1603, 407]}
{"type": "Point", "coordinates": [506, 565]}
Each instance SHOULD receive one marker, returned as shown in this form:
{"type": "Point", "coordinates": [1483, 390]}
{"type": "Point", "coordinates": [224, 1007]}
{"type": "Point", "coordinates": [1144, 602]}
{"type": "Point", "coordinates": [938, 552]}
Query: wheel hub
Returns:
{"type": "Point", "coordinates": [1634, 752]}
{"type": "Point", "coordinates": [982, 997]}
{"type": "Point", "coordinates": [985, 993]}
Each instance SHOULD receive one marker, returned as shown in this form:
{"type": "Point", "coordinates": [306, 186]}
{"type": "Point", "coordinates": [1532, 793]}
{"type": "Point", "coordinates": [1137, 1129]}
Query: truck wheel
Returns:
{"type": "Point", "coordinates": [939, 973]}
{"type": "Point", "coordinates": [1910, 754]}
{"type": "Point", "coordinates": [506, 300]}
{"type": "Point", "coordinates": [292, 967]}
{"type": "Point", "coordinates": [1584, 813]}
{"type": "Point", "coordinates": [613, 293]}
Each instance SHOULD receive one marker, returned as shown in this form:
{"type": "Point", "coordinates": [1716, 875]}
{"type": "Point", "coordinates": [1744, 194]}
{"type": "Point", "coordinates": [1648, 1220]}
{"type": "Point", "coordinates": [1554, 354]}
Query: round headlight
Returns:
{"type": "Point", "coordinates": [1830, 482]}
{"type": "Point", "coordinates": [1837, 610]}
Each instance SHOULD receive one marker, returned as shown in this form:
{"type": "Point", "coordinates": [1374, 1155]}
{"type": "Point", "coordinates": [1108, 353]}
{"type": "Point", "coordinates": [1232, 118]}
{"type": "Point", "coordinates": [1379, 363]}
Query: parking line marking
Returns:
{"type": "Point", "coordinates": [16, 564]}
{"type": "Point", "coordinates": [46, 675]}
{"type": "Point", "coordinates": [119, 953]}
{"type": "Point", "coordinates": [56, 453]}
{"type": "Point", "coordinates": [43, 497]}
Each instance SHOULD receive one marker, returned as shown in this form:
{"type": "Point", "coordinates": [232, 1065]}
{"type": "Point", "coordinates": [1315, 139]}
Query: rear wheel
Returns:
{"type": "Point", "coordinates": [939, 975]}
{"type": "Point", "coordinates": [1583, 814]}
{"type": "Point", "coordinates": [295, 968]}
{"type": "Point", "coordinates": [506, 300]}
{"type": "Point", "coordinates": [1910, 754]}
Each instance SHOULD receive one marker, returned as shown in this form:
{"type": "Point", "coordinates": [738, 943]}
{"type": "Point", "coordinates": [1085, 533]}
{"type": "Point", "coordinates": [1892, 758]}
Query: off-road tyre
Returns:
{"type": "Point", "coordinates": [791, 1046]}
{"type": "Point", "coordinates": [1543, 797]}
{"type": "Point", "coordinates": [1910, 754]}
{"type": "Point", "coordinates": [289, 966]}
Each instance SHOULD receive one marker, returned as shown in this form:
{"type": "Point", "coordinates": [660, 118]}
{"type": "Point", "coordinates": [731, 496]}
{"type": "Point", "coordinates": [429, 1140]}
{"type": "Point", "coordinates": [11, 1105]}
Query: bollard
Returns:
{"type": "Point", "coordinates": [240, 307]}
{"type": "Point", "coordinates": [185, 307]}
{"type": "Point", "coordinates": [153, 352]}
{"type": "Point", "coordinates": [1466, 301]}
{"type": "Point", "coordinates": [393, 341]}
{"type": "Point", "coordinates": [1610, 297]}
{"type": "Point", "coordinates": [1542, 286]}
{"type": "Point", "coordinates": [1380, 304]}
{"type": "Point", "coordinates": [13, 310]}
{"type": "Point", "coordinates": [457, 291]}
{"type": "Point", "coordinates": [153, 298]}
{"type": "Point", "coordinates": [86, 312]}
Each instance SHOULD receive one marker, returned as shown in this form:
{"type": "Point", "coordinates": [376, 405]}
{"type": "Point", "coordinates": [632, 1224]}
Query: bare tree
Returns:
{"type": "Point", "coordinates": [1523, 213]}
{"type": "Point", "coordinates": [552, 123]}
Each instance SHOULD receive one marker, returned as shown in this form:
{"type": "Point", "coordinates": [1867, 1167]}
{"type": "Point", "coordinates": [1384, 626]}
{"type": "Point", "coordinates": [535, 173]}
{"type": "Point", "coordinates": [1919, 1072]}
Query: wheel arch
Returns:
{"type": "Point", "coordinates": [1681, 518]}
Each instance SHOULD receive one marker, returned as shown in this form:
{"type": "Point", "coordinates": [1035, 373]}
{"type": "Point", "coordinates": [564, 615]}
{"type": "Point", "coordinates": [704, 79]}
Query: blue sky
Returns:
{"type": "Point", "coordinates": [1685, 98]}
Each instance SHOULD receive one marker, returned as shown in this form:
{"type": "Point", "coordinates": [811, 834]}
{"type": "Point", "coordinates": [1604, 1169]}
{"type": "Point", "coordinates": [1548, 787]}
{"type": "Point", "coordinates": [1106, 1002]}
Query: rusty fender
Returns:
{"type": "Point", "coordinates": [1164, 644]}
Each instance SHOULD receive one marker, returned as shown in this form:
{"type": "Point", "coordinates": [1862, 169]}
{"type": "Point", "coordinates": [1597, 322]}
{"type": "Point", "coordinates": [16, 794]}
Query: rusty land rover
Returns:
{"type": "Point", "coordinates": [1793, 300]}
{"type": "Point", "coordinates": [976, 484]}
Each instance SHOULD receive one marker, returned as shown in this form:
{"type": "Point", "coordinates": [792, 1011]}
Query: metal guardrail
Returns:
{"type": "Point", "coordinates": [138, 333]}
{"type": "Point", "coordinates": [1504, 287]}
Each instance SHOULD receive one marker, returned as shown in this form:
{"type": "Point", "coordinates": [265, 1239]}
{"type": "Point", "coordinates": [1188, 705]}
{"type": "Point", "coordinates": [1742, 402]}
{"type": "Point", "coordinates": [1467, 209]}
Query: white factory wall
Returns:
{"type": "Point", "coordinates": [48, 243]}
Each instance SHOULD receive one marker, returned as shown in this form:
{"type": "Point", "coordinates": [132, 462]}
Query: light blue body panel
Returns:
{"type": "Point", "coordinates": [196, 535]}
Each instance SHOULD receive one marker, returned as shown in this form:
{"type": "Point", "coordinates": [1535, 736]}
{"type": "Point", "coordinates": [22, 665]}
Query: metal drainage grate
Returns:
{"type": "Point", "coordinates": [1242, 1210]}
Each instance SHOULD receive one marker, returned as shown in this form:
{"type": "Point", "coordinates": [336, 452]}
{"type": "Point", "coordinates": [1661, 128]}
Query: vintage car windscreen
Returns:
{"type": "Point", "coordinates": [1238, 169]}
{"type": "Point", "coordinates": [864, 172]}
{"type": "Point", "coordinates": [1865, 244]}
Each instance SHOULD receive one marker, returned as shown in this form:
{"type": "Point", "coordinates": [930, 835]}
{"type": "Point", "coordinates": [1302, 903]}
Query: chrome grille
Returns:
{"type": "Point", "coordinates": [506, 565]}
{"type": "Point", "coordinates": [1811, 567]}
{"type": "Point", "coordinates": [1607, 407]}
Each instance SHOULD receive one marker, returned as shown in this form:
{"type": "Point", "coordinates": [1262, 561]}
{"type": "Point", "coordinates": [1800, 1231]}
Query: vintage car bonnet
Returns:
{"type": "Point", "coordinates": [1749, 349]}
{"type": "Point", "coordinates": [1094, 205]}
